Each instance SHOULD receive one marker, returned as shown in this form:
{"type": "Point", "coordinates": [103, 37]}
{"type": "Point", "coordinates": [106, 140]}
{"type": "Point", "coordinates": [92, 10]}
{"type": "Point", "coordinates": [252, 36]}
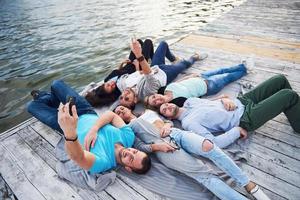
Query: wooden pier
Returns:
{"type": "Point", "coordinates": [268, 31]}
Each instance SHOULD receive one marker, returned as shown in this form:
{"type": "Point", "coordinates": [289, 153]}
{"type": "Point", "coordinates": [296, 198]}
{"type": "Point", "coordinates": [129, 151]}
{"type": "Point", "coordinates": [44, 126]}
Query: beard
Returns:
{"type": "Point", "coordinates": [121, 156]}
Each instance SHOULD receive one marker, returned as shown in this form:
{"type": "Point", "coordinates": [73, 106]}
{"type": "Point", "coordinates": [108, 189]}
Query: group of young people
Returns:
{"type": "Point", "coordinates": [99, 143]}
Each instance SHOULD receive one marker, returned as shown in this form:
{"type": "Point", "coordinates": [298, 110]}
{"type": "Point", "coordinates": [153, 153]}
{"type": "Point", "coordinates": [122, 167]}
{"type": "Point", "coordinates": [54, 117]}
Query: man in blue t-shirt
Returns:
{"type": "Point", "coordinates": [96, 144]}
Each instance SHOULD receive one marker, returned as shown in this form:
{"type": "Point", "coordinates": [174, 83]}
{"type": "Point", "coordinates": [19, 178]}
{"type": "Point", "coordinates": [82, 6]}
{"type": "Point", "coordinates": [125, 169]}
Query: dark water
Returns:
{"type": "Point", "coordinates": [81, 41]}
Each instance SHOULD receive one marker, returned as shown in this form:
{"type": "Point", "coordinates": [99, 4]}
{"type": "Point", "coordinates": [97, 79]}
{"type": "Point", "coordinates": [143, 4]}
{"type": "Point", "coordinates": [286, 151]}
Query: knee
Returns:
{"type": "Point", "coordinates": [30, 106]}
{"type": "Point", "coordinates": [57, 83]}
{"type": "Point", "coordinates": [291, 94]}
{"type": "Point", "coordinates": [148, 42]}
{"type": "Point", "coordinates": [163, 43]}
{"type": "Point", "coordinates": [207, 145]}
{"type": "Point", "coordinates": [281, 77]}
{"type": "Point", "coordinates": [140, 41]}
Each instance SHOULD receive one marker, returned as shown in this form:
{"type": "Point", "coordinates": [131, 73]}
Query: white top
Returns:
{"type": "Point", "coordinates": [150, 116]}
{"type": "Point", "coordinates": [160, 75]}
{"type": "Point", "coordinates": [132, 80]}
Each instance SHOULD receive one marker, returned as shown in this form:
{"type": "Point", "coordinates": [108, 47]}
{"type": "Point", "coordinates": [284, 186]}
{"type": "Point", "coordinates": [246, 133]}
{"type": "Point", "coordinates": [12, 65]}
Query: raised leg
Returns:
{"type": "Point", "coordinates": [172, 71]}
{"type": "Point", "coordinates": [161, 52]}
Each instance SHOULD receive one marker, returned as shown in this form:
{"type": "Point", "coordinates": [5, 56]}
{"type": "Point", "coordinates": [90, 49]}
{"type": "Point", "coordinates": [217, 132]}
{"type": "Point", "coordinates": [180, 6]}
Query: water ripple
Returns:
{"type": "Point", "coordinates": [81, 41]}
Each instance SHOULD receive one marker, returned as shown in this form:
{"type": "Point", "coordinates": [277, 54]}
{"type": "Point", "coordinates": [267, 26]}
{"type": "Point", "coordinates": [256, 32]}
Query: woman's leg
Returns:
{"type": "Point", "coordinates": [147, 49]}
{"type": "Point", "coordinates": [161, 52]}
{"type": "Point", "coordinates": [201, 146]}
{"type": "Point", "coordinates": [216, 83]}
{"type": "Point", "coordinates": [223, 70]}
{"type": "Point", "coordinates": [172, 71]}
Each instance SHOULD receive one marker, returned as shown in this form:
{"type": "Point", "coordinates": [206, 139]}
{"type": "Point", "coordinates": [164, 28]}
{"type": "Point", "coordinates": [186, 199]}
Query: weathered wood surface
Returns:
{"type": "Point", "coordinates": [268, 31]}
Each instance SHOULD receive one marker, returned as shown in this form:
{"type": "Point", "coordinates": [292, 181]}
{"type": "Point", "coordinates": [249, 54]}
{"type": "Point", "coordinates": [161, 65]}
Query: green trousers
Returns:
{"type": "Point", "coordinates": [268, 100]}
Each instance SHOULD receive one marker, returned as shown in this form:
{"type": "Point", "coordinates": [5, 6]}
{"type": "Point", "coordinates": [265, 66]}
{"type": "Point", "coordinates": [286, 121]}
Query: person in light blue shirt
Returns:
{"type": "Point", "coordinates": [205, 117]}
{"type": "Point", "coordinates": [94, 143]}
{"type": "Point", "coordinates": [249, 111]}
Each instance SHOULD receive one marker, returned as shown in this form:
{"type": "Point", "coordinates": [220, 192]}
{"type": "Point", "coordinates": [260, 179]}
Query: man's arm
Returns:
{"type": "Point", "coordinates": [151, 148]}
{"type": "Point", "coordinates": [229, 137]}
{"type": "Point", "coordinates": [222, 140]}
{"type": "Point", "coordinates": [68, 124]}
{"type": "Point", "coordinates": [108, 117]}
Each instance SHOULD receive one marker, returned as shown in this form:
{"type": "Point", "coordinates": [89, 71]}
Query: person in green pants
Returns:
{"type": "Point", "coordinates": [248, 111]}
{"type": "Point", "coordinates": [268, 100]}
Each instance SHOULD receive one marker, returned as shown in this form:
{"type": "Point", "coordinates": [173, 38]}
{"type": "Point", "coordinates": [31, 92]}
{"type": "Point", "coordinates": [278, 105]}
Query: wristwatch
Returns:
{"type": "Point", "coordinates": [140, 59]}
{"type": "Point", "coordinates": [71, 140]}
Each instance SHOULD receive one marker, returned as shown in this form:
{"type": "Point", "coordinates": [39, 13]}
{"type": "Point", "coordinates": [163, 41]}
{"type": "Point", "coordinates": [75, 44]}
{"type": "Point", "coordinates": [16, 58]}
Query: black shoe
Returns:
{"type": "Point", "coordinates": [35, 94]}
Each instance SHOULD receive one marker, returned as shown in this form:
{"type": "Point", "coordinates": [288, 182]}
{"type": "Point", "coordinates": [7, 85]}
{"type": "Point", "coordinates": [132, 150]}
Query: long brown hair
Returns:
{"type": "Point", "coordinates": [99, 97]}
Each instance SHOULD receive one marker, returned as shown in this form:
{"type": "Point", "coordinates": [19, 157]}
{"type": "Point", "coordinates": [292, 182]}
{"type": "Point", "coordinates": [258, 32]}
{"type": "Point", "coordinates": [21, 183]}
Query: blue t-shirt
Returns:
{"type": "Point", "coordinates": [108, 136]}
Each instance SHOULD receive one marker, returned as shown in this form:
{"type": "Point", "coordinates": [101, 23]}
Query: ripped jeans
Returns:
{"type": "Point", "coordinates": [193, 143]}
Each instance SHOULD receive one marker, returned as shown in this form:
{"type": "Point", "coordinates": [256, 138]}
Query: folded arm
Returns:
{"type": "Point", "coordinates": [108, 117]}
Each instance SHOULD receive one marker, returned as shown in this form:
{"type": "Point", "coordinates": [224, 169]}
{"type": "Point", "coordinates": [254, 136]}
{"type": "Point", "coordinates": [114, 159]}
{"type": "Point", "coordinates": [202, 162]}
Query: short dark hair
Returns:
{"type": "Point", "coordinates": [99, 97]}
{"type": "Point", "coordinates": [146, 165]}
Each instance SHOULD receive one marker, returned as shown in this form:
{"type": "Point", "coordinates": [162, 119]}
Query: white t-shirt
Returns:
{"type": "Point", "coordinates": [150, 116]}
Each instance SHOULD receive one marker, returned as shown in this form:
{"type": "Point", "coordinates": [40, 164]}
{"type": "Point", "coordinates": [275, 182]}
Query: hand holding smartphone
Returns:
{"type": "Point", "coordinates": [71, 101]}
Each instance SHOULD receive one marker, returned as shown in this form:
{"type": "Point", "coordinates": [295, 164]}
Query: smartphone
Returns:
{"type": "Point", "coordinates": [71, 101]}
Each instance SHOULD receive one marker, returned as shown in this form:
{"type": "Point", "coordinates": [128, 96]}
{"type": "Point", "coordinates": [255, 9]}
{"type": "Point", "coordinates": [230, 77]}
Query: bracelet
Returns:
{"type": "Point", "coordinates": [140, 59]}
{"type": "Point", "coordinates": [71, 140]}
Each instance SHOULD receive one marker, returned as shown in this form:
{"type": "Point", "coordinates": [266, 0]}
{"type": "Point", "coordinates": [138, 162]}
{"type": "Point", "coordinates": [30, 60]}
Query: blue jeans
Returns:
{"type": "Point", "coordinates": [217, 79]}
{"type": "Point", "coordinates": [171, 71]}
{"type": "Point", "coordinates": [44, 108]}
{"type": "Point", "coordinates": [192, 143]}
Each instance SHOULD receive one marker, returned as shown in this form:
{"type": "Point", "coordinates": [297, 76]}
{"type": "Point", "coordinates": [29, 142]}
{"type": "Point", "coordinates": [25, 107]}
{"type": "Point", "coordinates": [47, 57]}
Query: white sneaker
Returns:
{"type": "Point", "coordinates": [259, 194]}
{"type": "Point", "coordinates": [249, 64]}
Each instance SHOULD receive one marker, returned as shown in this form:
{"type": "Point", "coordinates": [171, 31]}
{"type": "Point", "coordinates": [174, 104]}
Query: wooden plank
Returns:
{"type": "Point", "coordinates": [16, 178]}
{"type": "Point", "coordinates": [15, 129]}
{"type": "Point", "coordinates": [272, 132]}
{"type": "Point", "coordinates": [271, 183]}
{"type": "Point", "coordinates": [277, 146]}
{"type": "Point", "coordinates": [275, 157]}
{"type": "Point", "coordinates": [37, 171]}
{"type": "Point", "coordinates": [46, 132]}
{"type": "Point", "coordinates": [237, 46]}
{"type": "Point", "coordinates": [271, 168]}
{"type": "Point", "coordinates": [46, 152]}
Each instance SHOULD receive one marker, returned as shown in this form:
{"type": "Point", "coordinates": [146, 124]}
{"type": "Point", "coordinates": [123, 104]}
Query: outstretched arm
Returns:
{"type": "Point", "coordinates": [108, 117]}
{"type": "Point", "coordinates": [137, 50]}
{"type": "Point", "coordinates": [68, 124]}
